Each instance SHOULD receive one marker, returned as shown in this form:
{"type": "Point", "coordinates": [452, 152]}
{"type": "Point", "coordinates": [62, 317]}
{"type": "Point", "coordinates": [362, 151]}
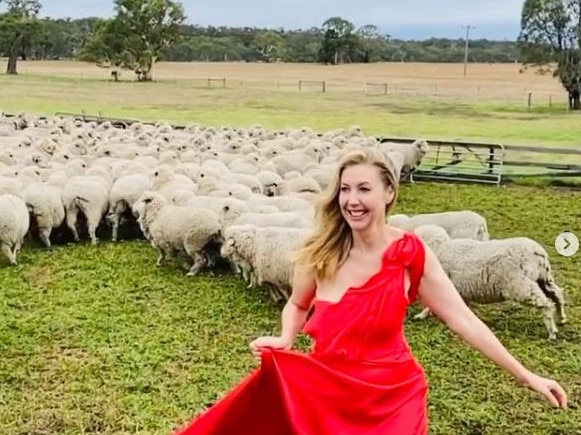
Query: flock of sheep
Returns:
{"type": "Point", "coordinates": [244, 196]}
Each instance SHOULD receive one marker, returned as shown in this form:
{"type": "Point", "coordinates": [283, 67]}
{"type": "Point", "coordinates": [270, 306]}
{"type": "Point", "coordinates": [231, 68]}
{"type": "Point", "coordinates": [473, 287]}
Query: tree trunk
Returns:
{"type": "Point", "coordinates": [574, 100]}
{"type": "Point", "coordinates": [11, 68]}
{"type": "Point", "coordinates": [146, 75]}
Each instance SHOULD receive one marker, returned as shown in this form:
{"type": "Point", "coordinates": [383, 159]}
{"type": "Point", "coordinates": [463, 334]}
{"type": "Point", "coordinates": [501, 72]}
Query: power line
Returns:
{"type": "Point", "coordinates": [467, 27]}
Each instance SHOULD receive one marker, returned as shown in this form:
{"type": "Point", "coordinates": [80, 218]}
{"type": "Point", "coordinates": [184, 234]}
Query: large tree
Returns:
{"type": "Point", "coordinates": [18, 26]}
{"type": "Point", "coordinates": [550, 41]}
{"type": "Point", "coordinates": [339, 40]}
{"type": "Point", "coordinates": [137, 36]}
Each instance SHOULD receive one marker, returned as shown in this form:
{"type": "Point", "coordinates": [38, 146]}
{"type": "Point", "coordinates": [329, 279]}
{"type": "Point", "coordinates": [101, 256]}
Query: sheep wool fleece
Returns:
{"type": "Point", "coordinates": [360, 377]}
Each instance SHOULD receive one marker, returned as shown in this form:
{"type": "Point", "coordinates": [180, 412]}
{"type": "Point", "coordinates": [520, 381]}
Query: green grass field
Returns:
{"type": "Point", "coordinates": [99, 340]}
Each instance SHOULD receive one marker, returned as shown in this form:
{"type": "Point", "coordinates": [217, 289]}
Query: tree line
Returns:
{"type": "Point", "coordinates": [100, 40]}
{"type": "Point", "coordinates": [142, 32]}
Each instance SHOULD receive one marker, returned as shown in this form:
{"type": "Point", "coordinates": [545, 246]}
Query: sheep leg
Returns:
{"type": "Point", "coordinates": [71, 218]}
{"type": "Point", "coordinates": [44, 234]}
{"type": "Point", "coordinates": [250, 277]}
{"type": "Point", "coordinates": [10, 255]}
{"type": "Point", "coordinates": [199, 262]}
{"type": "Point", "coordinates": [17, 247]}
{"type": "Point", "coordinates": [555, 293]}
{"type": "Point", "coordinates": [254, 281]}
{"type": "Point", "coordinates": [280, 294]}
{"type": "Point", "coordinates": [423, 314]}
{"type": "Point", "coordinates": [93, 220]}
{"type": "Point", "coordinates": [529, 293]}
{"type": "Point", "coordinates": [161, 257]}
{"type": "Point", "coordinates": [114, 221]}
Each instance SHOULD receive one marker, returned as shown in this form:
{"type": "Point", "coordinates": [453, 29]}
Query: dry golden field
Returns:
{"type": "Point", "coordinates": [428, 100]}
{"type": "Point", "coordinates": [483, 80]}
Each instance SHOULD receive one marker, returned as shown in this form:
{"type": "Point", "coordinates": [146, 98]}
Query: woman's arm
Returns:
{"type": "Point", "coordinates": [293, 316]}
{"type": "Point", "coordinates": [295, 311]}
{"type": "Point", "coordinates": [438, 293]}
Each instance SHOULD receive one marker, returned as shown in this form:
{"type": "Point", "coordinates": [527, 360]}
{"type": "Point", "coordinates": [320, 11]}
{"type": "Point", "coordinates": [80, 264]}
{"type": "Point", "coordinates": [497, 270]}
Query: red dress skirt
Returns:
{"type": "Point", "coordinates": [360, 378]}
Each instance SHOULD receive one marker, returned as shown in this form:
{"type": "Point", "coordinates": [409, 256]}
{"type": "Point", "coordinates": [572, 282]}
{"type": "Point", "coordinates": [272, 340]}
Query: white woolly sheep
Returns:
{"type": "Point", "coordinates": [513, 269]}
{"type": "Point", "coordinates": [283, 202]}
{"type": "Point", "coordinates": [237, 214]}
{"type": "Point", "coordinates": [412, 154]}
{"type": "Point", "coordinates": [87, 194]}
{"type": "Point", "coordinates": [173, 229]}
{"type": "Point", "coordinates": [459, 224]}
{"type": "Point", "coordinates": [264, 254]}
{"type": "Point", "coordinates": [123, 194]}
{"type": "Point", "coordinates": [46, 208]}
{"type": "Point", "coordinates": [14, 224]}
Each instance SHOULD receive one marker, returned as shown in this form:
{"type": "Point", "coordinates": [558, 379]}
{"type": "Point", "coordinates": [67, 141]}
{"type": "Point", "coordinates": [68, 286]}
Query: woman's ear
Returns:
{"type": "Point", "coordinates": [389, 195]}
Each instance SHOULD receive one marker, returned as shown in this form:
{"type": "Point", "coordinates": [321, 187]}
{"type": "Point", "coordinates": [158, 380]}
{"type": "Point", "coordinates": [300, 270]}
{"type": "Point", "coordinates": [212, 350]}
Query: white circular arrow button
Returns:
{"type": "Point", "coordinates": [567, 244]}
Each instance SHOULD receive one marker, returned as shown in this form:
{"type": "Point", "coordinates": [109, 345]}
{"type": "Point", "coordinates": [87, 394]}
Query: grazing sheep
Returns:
{"type": "Point", "coordinates": [513, 269]}
{"type": "Point", "coordinates": [123, 194]}
{"type": "Point", "coordinates": [174, 229]}
{"type": "Point", "coordinates": [264, 255]}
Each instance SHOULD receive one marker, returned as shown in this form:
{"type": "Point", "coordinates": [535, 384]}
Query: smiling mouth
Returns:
{"type": "Point", "coordinates": [356, 213]}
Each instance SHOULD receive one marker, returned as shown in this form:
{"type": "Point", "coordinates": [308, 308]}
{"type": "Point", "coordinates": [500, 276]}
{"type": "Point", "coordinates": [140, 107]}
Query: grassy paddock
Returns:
{"type": "Point", "coordinates": [269, 96]}
{"type": "Point", "coordinates": [97, 339]}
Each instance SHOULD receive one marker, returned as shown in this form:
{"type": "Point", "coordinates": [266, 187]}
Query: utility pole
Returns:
{"type": "Point", "coordinates": [467, 27]}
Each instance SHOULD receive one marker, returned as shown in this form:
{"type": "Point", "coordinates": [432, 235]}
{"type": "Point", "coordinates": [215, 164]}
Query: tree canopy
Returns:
{"type": "Point", "coordinates": [18, 30]}
{"type": "Point", "coordinates": [136, 37]}
{"type": "Point", "coordinates": [549, 41]}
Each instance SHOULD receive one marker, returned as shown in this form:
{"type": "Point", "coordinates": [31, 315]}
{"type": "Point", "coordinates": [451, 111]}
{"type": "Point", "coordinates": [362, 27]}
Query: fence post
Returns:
{"type": "Point", "coordinates": [324, 86]}
{"type": "Point", "coordinates": [529, 100]}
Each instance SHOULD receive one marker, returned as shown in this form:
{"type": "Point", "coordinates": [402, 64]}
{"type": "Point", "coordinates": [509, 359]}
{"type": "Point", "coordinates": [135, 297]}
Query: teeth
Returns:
{"type": "Point", "coordinates": [356, 213]}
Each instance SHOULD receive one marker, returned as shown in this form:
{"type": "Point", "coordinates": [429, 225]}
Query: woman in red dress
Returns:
{"type": "Point", "coordinates": [360, 276]}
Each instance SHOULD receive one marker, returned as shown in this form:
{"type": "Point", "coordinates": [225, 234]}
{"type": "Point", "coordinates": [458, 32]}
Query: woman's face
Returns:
{"type": "Point", "coordinates": [363, 196]}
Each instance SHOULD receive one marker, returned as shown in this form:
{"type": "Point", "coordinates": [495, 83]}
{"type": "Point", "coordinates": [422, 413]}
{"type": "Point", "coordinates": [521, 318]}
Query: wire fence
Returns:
{"type": "Point", "coordinates": [528, 96]}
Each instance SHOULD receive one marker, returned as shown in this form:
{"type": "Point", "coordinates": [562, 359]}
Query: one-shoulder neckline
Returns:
{"type": "Point", "coordinates": [387, 249]}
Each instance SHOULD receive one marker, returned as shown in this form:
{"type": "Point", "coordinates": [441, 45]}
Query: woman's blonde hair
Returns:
{"type": "Point", "coordinates": [329, 244]}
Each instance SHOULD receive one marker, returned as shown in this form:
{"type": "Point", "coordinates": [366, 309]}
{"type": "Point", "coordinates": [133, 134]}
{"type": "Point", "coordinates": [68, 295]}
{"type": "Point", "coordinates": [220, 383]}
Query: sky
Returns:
{"type": "Point", "coordinates": [407, 19]}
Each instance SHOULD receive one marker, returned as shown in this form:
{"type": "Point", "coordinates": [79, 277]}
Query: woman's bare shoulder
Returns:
{"type": "Point", "coordinates": [394, 233]}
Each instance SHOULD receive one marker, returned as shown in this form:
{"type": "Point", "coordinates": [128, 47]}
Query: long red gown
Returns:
{"type": "Point", "coordinates": [360, 377]}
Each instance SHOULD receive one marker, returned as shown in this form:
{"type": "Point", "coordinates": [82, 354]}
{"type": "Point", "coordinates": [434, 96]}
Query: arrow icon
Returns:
{"type": "Point", "coordinates": [567, 244]}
